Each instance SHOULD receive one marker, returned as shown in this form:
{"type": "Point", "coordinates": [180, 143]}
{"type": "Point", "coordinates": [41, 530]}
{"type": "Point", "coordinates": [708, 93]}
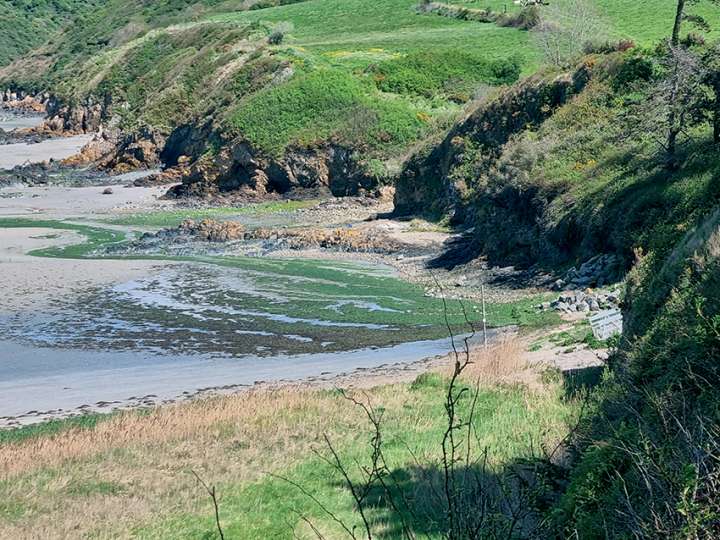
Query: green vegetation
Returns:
{"type": "Point", "coordinates": [26, 24]}
{"type": "Point", "coordinates": [374, 76]}
{"type": "Point", "coordinates": [593, 178]}
{"type": "Point", "coordinates": [220, 439]}
{"type": "Point", "coordinates": [580, 333]}
{"type": "Point", "coordinates": [50, 428]}
{"type": "Point", "coordinates": [358, 25]}
{"type": "Point", "coordinates": [172, 218]}
{"type": "Point", "coordinates": [429, 73]}
{"type": "Point", "coordinates": [313, 107]}
{"type": "Point", "coordinates": [630, 472]}
{"type": "Point", "coordinates": [221, 65]}
{"type": "Point", "coordinates": [623, 166]}
{"type": "Point", "coordinates": [600, 175]}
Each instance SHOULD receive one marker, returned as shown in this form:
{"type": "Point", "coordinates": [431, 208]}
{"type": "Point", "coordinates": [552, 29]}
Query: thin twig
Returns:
{"type": "Point", "coordinates": [211, 491]}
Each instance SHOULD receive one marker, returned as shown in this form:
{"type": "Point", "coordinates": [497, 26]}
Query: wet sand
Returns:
{"type": "Point", "coordinates": [30, 283]}
{"type": "Point", "coordinates": [12, 155]}
{"type": "Point", "coordinates": [103, 382]}
{"type": "Point", "coordinates": [10, 121]}
{"type": "Point", "coordinates": [38, 383]}
{"type": "Point", "coordinates": [60, 202]}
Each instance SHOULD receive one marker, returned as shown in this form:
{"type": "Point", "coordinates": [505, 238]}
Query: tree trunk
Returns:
{"type": "Point", "coordinates": [671, 162]}
{"type": "Point", "coordinates": [678, 22]}
{"type": "Point", "coordinates": [674, 119]}
{"type": "Point", "coordinates": [716, 117]}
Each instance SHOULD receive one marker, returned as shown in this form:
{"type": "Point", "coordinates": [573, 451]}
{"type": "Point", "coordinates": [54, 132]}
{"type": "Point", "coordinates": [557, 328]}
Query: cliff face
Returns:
{"type": "Point", "coordinates": [428, 183]}
{"type": "Point", "coordinates": [237, 167]}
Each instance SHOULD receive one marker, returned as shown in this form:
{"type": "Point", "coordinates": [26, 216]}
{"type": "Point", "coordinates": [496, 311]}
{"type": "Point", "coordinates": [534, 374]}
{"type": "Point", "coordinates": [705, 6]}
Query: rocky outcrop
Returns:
{"type": "Point", "coordinates": [20, 101]}
{"type": "Point", "coordinates": [346, 240]}
{"type": "Point", "coordinates": [86, 117]}
{"type": "Point", "coordinates": [118, 152]}
{"type": "Point", "coordinates": [168, 176]}
{"type": "Point", "coordinates": [427, 184]}
{"type": "Point", "coordinates": [208, 230]}
{"type": "Point", "coordinates": [240, 169]}
{"type": "Point", "coordinates": [583, 302]}
{"type": "Point", "coordinates": [595, 272]}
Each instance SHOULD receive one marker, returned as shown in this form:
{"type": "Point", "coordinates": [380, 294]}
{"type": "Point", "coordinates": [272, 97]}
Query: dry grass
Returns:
{"type": "Point", "coordinates": [134, 470]}
{"type": "Point", "coordinates": [287, 410]}
{"type": "Point", "coordinates": [135, 466]}
{"type": "Point", "coordinates": [501, 363]}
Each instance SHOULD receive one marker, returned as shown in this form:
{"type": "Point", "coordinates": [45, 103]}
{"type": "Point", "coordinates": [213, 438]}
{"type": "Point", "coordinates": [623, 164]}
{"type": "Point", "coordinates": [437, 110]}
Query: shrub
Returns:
{"type": "Point", "coordinates": [526, 19]}
{"type": "Point", "coordinates": [278, 33]}
{"type": "Point", "coordinates": [633, 70]}
{"type": "Point", "coordinates": [427, 73]}
{"type": "Point", "coordinates": [607, 47]}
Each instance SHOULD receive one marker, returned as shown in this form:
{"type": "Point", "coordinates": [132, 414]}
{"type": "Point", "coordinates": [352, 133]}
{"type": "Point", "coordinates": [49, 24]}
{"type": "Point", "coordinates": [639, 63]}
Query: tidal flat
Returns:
{"type": "Point", "coordinates": [172, 326]}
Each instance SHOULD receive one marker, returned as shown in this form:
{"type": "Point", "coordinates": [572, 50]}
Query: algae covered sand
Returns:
{"type": "Point", "coordinates": [232, 305]}
{"type": "Point", "coordinates": [167, 327]}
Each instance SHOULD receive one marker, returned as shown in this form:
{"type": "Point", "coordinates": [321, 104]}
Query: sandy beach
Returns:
{"type": "Point", "coordinates": [12, 155]}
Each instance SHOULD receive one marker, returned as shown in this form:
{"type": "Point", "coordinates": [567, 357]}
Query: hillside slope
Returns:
{"type": "Point", "coordinates": [277, 95]}
{"type": "Point", "coordinates": [563, 178]}
{"type": "Point", "coordinates": [26, 24]}
{"type": "Point", "coordinates": [375, 92]}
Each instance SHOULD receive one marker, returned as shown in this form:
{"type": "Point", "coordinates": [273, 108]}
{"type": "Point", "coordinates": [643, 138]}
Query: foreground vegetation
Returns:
{"type": "Point", "coordinates": [622, 167]}
{"type": "Point", "coordinates": [133, 473]}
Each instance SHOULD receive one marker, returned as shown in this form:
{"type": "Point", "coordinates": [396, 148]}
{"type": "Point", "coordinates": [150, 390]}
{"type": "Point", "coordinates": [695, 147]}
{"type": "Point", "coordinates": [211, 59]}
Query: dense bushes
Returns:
{"type": "Point", "coordinates": [525, 19]}
{"type": "Point", "coordinates": [321, 104]}
{"type": "Point", "coordinates": [590, 178]}
{"type": "Point", "coordinates": [455, 73]}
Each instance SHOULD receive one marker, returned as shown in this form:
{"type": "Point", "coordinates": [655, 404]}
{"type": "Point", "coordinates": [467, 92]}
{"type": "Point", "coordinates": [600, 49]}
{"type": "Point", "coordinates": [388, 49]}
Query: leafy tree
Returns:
{"type": "Point", "coordinates": [711, 79]}
{"type": "Point", "coordinates": [565, 30]}
{"type": "Point", "coordinates": [682, 15]}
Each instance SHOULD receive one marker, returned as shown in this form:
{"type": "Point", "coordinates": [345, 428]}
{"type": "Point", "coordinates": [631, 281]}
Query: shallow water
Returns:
{"type": "Point", "coordinates": [43, 379]}
{"type": "Point", "coordinates": [236, 311]}
{"type": "Point", "coordinates": [209, 321]}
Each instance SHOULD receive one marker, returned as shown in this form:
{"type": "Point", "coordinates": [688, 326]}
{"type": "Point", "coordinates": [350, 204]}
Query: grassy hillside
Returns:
{"type": "Point", "coordinates": [591, 178]}
{"type": "Point", "coordinates": [649, 452]}
{"type": "Point", "coordinates": [375, 76]}
{"type": "Point", "coordinates": [26, 24]}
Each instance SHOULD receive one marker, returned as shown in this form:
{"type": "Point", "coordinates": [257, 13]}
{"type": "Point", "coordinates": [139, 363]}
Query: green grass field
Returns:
{"type": "Point", "coordinates": [172, 218]}
{"type": "Point", "coordinates": [335, 27]}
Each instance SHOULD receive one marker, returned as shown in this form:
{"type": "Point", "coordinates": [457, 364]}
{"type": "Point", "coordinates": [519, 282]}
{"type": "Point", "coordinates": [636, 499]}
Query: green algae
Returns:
{"type": "Point", "coordinates": [237, 305]}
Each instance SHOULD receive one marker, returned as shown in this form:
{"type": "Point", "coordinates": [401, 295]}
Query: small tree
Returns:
{"type": "Point", "coordinates": [565, 29]}
{"type": "Point", "coordinates": [682, 15]}
{"type": "Point", "coordinates": [278, 33]}
{"type": "Point", "coordinates": [673, 103]}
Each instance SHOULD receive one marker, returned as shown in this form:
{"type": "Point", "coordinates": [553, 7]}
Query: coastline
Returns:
{"type": "Point", "coordinates": [170, 382]}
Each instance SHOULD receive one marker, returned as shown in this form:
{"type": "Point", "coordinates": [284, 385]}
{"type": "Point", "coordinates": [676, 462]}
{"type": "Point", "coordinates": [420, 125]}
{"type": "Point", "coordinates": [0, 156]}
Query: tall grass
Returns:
{"type": "Point", "coordinates": [132, 471]}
